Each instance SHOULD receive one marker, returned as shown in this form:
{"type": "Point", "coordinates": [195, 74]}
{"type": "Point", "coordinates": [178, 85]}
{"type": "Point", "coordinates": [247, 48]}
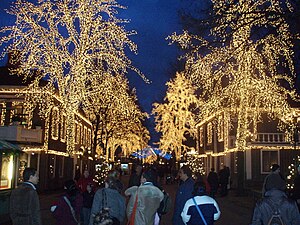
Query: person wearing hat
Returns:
{"type": "Point", "coordinates": [275, 200]}
{"type": "Point", "coordinates": [67, 209]}
{"type": "Point", "coordinates": [274, 178]}
{"type": "Point", "coordinates": [208, 207]}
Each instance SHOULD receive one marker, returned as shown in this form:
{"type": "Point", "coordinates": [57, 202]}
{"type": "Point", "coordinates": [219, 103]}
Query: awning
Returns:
{"type": "Point", "coordinates": [7, 147]}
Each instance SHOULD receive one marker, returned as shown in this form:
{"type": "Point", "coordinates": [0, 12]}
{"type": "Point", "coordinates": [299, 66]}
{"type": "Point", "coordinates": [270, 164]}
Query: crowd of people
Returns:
{"type": "Point", "coordinates": [139, 203]}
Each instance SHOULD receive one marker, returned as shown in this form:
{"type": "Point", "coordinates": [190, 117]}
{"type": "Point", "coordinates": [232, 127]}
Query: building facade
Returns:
{"type": "Point", "coordinates": [42, 143]}
{"type": "Point", "coordinates": [266, 145]}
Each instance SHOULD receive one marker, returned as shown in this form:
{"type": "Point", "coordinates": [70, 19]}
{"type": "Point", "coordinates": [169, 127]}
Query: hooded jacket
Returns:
{"type": "Point", "coordinates": [149, 198]}
{"type": "Point", "coordinates": [287, 208]}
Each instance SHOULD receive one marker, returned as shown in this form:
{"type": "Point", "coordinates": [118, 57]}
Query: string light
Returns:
{"type": "Point", "coordinates": [71, 43]}
{"type": "Point", "coordinates": [174, 118]}
{"type": "Point", "coordinates": [245, 76]}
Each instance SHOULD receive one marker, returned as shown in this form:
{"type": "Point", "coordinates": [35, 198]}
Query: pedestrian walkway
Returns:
{"type": "Point", "coordinates": [234, 210]}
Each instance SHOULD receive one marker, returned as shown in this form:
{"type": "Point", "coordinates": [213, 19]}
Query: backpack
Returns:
{"type": "Point", "coordinates": [165, 204]}
{"type": "Point", "coordinates": [276, 218]}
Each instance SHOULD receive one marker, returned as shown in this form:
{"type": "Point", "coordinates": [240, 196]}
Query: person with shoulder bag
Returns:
{"type": "Point", "coordinates": [108, 205]}
{"type": "Point", "coordinates": [67, 209]}
{"type": "Point", "coordinates": [201, 209]}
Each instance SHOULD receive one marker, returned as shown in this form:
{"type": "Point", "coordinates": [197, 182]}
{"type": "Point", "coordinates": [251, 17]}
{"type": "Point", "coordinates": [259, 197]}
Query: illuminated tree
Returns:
{"type": "Point", "coordinates": [71, 44]}
{"type": "Point", "coordinates": [114, 112]}
{"type": "Point", "coordinates": [176, 117]}
{"type": "Point", "coordinates": [246, 65]}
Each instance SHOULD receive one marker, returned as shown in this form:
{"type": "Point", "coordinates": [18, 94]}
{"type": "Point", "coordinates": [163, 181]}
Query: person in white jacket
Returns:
{"type": "Point", "coordinates": [148, 200]}
{"type": "Point", "coordinates": [208, 207]}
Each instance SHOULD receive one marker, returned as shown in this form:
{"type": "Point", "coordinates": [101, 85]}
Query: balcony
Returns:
{"type": "Point", "coordinates": [18, 133]}
{"type": "Point", "coordinates": [271, 138]}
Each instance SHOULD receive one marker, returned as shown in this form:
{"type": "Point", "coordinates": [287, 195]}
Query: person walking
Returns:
{"type": "Point", "coordinates": [274, 177]}
{"type": "Point", "coordinates": [135, 176]}
{"type": "Point", "coordinates": [24, 200]}
{"type": "Point", "coordinates": [144, 202]}
{"type": "Point", "coordinates": [67, 209]}
{"type": "Point", "coordinates": [88, 198]}
{"type": "Point", "coordinates": [109, 198]}
{"type": "Point", "coordinates": [224, 175]}
{"type": "Point", "coordinates": [183, 193]}
{"type": "Point", "coordinates": [275, 205]}
{"type": "Point", "coordinates": [200, 209]}
{"type": "Point", "coordinates": [213, 181]}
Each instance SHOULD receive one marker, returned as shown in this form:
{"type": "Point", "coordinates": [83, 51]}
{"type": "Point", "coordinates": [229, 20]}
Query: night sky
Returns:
{"type": "Point", "coordinates": [153, 20]}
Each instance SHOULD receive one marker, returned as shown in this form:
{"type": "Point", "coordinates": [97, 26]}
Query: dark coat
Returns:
{"type": "Point", "coordinates": [25, 206]}
{"type": "Point", "coordinates": [109, 198]}
{"type": "Point", "coordinates": [183, 193]}
{"type": "Point", "coordinates": [208, 206]}
{"type": "Point", "coordinates": [62, 212]}
{"type": "Point", "coordinates": [288, 209]}
{"type": "Point", "coordinates": [213, 180]}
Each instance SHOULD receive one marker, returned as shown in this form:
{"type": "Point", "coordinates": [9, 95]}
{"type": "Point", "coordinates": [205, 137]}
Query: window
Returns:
{"type": "Point", "coordinates": [201, 136]}
{"type": "Point", "coordinates": [60, 165]}
{"type": "Point", "coordinates": [2, 114]}
{"type": "Point", "coordinates": [209, 133]}
{"type": "Point", "coordinates": [63, 128]}
{"type": "Point", "coordinates": [268, 158]}
{"type": "Point", "coordinates": [220, 128]}
{"type": "Point", "coordinates": [77, 133]}
{"type": "Point", "coordinates": [6, 171]}
{"type": "Point", "coordinates": [89, 138]}
{"type": "Point", "coordinates": [85, 136]}
{"type": "Point", "coordinates": [52, 164]}
{"type": "Point", "coordinates": [54, 124]}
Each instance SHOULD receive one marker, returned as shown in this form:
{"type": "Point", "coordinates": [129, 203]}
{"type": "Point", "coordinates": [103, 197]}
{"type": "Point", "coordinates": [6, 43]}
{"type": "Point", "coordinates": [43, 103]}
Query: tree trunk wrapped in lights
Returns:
{"type": "Point", "coordinates": [69, 43]}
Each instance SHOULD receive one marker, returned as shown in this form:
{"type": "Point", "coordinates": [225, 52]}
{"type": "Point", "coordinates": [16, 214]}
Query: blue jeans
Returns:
{"type": "Point", "coordinates": [86, 215]}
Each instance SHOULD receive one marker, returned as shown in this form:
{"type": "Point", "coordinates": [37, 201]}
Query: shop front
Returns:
{"type": "Point", "coordinates": [9, 155]}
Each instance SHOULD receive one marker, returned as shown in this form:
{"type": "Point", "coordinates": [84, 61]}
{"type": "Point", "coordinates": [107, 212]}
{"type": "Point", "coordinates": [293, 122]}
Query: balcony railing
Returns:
{"type": "Point", "coordinates": [271, 138]}
{"type": "Point", "coordinates": [19, 133]}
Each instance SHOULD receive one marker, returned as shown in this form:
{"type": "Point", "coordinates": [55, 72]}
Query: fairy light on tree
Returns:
{"type": "Point", "coordinates": [70, 43]}
{"type": "Point", "coordinates": [114, 113]}
{"type": "Point", "coordinates": [293, 172]}
{"type": "Point", "coordinates": [196, 165]}
{"type": "Point", "coordinates": [176, 116]}
{"type": "Point", "coordinates": [246, 64]}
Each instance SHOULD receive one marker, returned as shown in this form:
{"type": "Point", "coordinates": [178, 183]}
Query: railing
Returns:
{"type": "Point", "coordinates": [19, 133]}
{"type": "Point", "coordinates": [271, 138]}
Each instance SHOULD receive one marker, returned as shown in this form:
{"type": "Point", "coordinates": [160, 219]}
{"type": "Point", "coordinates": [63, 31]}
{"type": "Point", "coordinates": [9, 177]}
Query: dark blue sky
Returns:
{"type": "Point", "coordinates": [153, 20]}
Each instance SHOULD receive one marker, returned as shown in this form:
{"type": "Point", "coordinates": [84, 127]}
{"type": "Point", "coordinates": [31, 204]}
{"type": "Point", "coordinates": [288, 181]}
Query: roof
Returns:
{"type": "Point", "coordinates": [7, 147]}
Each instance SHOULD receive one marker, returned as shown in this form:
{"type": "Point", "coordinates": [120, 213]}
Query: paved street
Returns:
{"type": "Point", "coordinates": [234, 210]}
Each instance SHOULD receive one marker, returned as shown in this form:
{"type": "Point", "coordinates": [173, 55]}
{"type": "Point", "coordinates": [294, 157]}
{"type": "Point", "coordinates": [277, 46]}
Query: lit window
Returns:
{"type": "Point", "coordinates": [52, 165]}
{"type": "Point", "coordinates": [55, 123]}
{"type": "Point", "coordinates": [209, 133]}
{"type": "Point", "coordinates": [63, 128]}
{"type": "Point", "coordinates": [201, 136]}
{"type": "Point", "coordinates": [6, 171]}
{"type": "Point", "coordinates": [220, 128]}
{"type": "Point", "coordinates": [268, 158]}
